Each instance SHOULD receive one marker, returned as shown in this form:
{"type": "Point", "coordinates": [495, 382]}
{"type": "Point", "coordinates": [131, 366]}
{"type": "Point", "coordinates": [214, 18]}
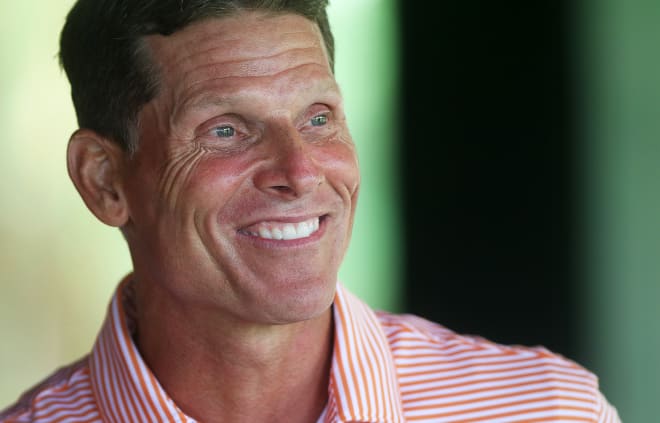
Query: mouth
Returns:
{"type": "Point", "coordinates": [283, 231]}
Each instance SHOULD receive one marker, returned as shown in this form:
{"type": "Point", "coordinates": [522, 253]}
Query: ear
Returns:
{"type": "Point", "coordinates": [94, 163]}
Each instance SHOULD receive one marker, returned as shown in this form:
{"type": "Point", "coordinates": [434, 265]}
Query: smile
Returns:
{"type": "Point", "coordinates": [283, 231]}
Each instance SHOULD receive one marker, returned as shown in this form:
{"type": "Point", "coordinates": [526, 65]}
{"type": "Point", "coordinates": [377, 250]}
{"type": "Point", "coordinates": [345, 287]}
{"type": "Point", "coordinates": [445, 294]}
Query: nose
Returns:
{"type": "Point", "coordinates": [291, 170]}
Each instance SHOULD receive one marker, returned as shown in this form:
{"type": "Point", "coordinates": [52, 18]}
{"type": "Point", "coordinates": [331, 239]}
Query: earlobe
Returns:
{"type": "Point", "coordinates": [94, 165]}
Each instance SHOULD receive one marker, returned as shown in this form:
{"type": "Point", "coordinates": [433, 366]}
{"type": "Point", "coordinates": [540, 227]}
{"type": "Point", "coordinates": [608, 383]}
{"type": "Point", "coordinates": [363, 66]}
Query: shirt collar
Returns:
{"type": "Point", "coordinates": [363, 384]}
{"type": "Point", "coordinates": [123, 385]}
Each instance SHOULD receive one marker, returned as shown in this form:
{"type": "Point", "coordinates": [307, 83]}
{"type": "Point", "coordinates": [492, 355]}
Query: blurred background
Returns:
{"type": "Point", "coordinates": [510, 155]}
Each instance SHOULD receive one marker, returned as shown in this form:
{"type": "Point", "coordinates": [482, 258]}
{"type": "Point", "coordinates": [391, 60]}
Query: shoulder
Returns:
{"type": "Point", "coordinates": [442, 374]}
{"type": "Point", "coordinates": [65, 393]}
{"type": "Point", "coordinates": [409, 331]}
{"type": "Point", "coordinates": [425, 344]}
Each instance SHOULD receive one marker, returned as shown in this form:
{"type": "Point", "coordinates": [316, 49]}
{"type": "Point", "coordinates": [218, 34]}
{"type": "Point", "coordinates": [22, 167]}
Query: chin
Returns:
{"type": "Point", "coordinates": [301, 304]}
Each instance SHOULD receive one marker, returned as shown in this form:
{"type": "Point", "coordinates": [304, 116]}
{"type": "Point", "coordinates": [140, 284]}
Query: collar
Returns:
{"type": "Point", "coordinates": [363, 384]}
{"type": "Point", "coordinates": [124, 387]}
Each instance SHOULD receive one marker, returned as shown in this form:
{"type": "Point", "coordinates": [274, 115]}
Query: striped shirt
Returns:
{"type": "Point", "coordinates": [385, 368]}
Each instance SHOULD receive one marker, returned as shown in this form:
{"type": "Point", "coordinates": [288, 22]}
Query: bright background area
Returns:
{"type": "Point", "coordinates": [60, 266]}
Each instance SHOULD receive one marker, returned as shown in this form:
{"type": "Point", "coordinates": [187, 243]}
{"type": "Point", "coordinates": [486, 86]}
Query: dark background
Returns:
{"type": "Point", "coordinates": [488, 171]}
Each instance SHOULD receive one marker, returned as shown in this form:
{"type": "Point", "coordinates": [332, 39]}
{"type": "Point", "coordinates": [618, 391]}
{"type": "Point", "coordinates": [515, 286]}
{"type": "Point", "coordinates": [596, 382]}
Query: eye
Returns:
{"type": "Point", "coordinates": [224, 131]}
{"type": "Point", "coordinates": [319, 120]}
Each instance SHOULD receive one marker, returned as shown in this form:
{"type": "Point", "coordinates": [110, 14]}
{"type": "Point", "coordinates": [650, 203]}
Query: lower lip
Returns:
{"type": "Point", "coordinates": [288, 243]}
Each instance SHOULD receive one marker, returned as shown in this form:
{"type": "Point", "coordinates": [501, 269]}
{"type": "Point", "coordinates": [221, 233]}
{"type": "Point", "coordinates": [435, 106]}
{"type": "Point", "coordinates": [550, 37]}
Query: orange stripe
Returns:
{"type": "Point", "coordinates": [68, 416]}
{"type": "Point", "coordinates": [107, 396]}
{"type": "Point", "coordinates": [337, 352]}
{"type": "Point", "coordinates": [361, 394]}
{"type": "Point", "coordinates": [56, 408]}
{"type": "Point", "coordinates": [90, 419]}
{"type": "Point", "coordinates": [161, 396]}
{"type": "Point", "coordinates": [124, 374]}
{"type": "Point", "coordinates": [64, 400]}
{"type": "Point", "coordinates": [513, 413]}
{"type": "Point", "coordinates": [422, 343]}
{"type": "Point", "coordinates": [382, 393]}
{"type": "Point", "coordinates": [489, 380]}
{"type": "Point", "coordinates": [91, 378]}
{"type": "Point", "coordinates": [115, 363]}
{"type": "Point", "coordinates": [380, 355]}
{"type": "Point", "coordinates": [494, 359]}
{"type": "Point", "coordinates": [122, 331]}
{"type": "Point", "coordinates": [497, 368]}
{"type": "Point", "coordinates": [563, 418]}
{"type": "Point", "coordinates": [493, 388]}
{"type": "Point", "coordinates": [503, 397]}
{"type": "Point", "coordinates": [540, 370]}
{"type": "Point", "coordinates": [136, 366]}
{"type": "Point", "coordinates": [468, 353]}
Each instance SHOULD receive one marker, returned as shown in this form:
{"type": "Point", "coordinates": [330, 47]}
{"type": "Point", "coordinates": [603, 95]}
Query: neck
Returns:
{"type": "Point", "coordinates": [219, 370]}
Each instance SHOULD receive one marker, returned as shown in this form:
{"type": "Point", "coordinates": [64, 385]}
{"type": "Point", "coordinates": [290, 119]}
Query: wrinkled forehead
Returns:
{"type": "Point", "coordinates": [259, 37]}
{"type": "Point", "coordinates": [250, 56]}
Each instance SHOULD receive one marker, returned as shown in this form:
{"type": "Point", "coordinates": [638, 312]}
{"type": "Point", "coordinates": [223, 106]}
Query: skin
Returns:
{"type": "Point", "coordinates": [215, 303]}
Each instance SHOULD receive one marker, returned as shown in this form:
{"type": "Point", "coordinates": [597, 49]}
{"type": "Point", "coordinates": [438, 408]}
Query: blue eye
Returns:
{"type": "Point", "coordinates": [319, 120]}
{"type": "Point", "coordinates": [224, 131]}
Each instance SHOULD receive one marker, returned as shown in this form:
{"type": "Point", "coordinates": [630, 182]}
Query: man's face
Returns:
{"type": "Point", "coordinates": [243, 189]}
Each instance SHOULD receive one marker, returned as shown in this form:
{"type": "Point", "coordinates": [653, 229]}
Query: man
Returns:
{"type": "Point", "coordinates": [213, 135]}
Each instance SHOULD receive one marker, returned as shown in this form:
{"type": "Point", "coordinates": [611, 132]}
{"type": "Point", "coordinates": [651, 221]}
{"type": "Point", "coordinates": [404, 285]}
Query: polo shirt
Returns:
{"type": "Point", "coordinates": [385, 368]}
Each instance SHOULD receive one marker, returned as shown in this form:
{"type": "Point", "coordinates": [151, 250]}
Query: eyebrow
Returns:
{"type": "Point", "coordinates": [326, 86]}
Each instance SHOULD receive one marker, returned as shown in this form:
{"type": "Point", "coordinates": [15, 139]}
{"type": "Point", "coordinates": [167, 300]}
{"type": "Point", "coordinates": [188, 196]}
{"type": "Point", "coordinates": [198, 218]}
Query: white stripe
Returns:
{"type": "Point", "coordinates": [366, 386]}
{"type": "Point", "coordinates": [355, 386]}
{"type": "Point", "coordinates": [141, 369]}
{"type": "Point", "coordinates": [484, 381]}
{"type": "Point", "coordinates": [78, 413]}
{"type": "Point", "coordinates": [476, 395]}
{"type": "Point", "coordinates": [377, 398]}
{"type": "Point", "coordinates": [123, 351]}
{"type": "Point", "coordinates": [72, 395]}
{"type": "Point", "coordinates": [461, 375]}
{"type": "Point", "coordinates": [546, 398]}
{"type": "Point", "coordinates": [521, 412]}
{"type": "Point", "coordinates": [116, 366]}
{"type": "Point", "coordinates": [500, 362]}
{"type": "Point", "coordinates": [104, 381]}
{"type": "Point", "coordinates": [345, 344]}
{"type": "Point", "coordinates": [53, 407]}
{"type": "Point", "coordinates": [113, 364]}
{"type": "Point", "coordinates": [385, 365]}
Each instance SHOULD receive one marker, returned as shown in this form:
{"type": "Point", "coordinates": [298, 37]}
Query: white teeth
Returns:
{"type": "Point", "coordinates": [265, 233]}
{"type": "Point", "coordinates": [284, 231]}
{"type": "Point", "coordinates": [289, 232]}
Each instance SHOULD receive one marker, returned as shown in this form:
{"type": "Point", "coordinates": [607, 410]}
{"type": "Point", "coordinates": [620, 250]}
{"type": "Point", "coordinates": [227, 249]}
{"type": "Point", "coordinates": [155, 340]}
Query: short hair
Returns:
{"type": "Point", "coordinates": [103, 53]}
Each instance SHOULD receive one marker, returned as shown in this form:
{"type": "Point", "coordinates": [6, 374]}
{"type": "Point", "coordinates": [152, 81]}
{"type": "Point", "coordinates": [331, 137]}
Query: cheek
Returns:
{"type": "Point", "coordinates": [341, 164]}
{"type": "Point", "coordinates": [217, 179]}
{"type": "Point", "coordinates": [222, 170]}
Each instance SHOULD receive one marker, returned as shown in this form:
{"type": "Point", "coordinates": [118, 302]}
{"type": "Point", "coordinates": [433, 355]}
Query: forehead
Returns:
{"type": "Point", "coordinates": [247, 44]}
{"type": "Point", "coordinates": [248, 30]}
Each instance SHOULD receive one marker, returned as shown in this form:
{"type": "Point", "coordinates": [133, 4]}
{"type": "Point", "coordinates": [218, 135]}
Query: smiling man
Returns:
{"type": "Point", "coordinates": [213, 135]}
